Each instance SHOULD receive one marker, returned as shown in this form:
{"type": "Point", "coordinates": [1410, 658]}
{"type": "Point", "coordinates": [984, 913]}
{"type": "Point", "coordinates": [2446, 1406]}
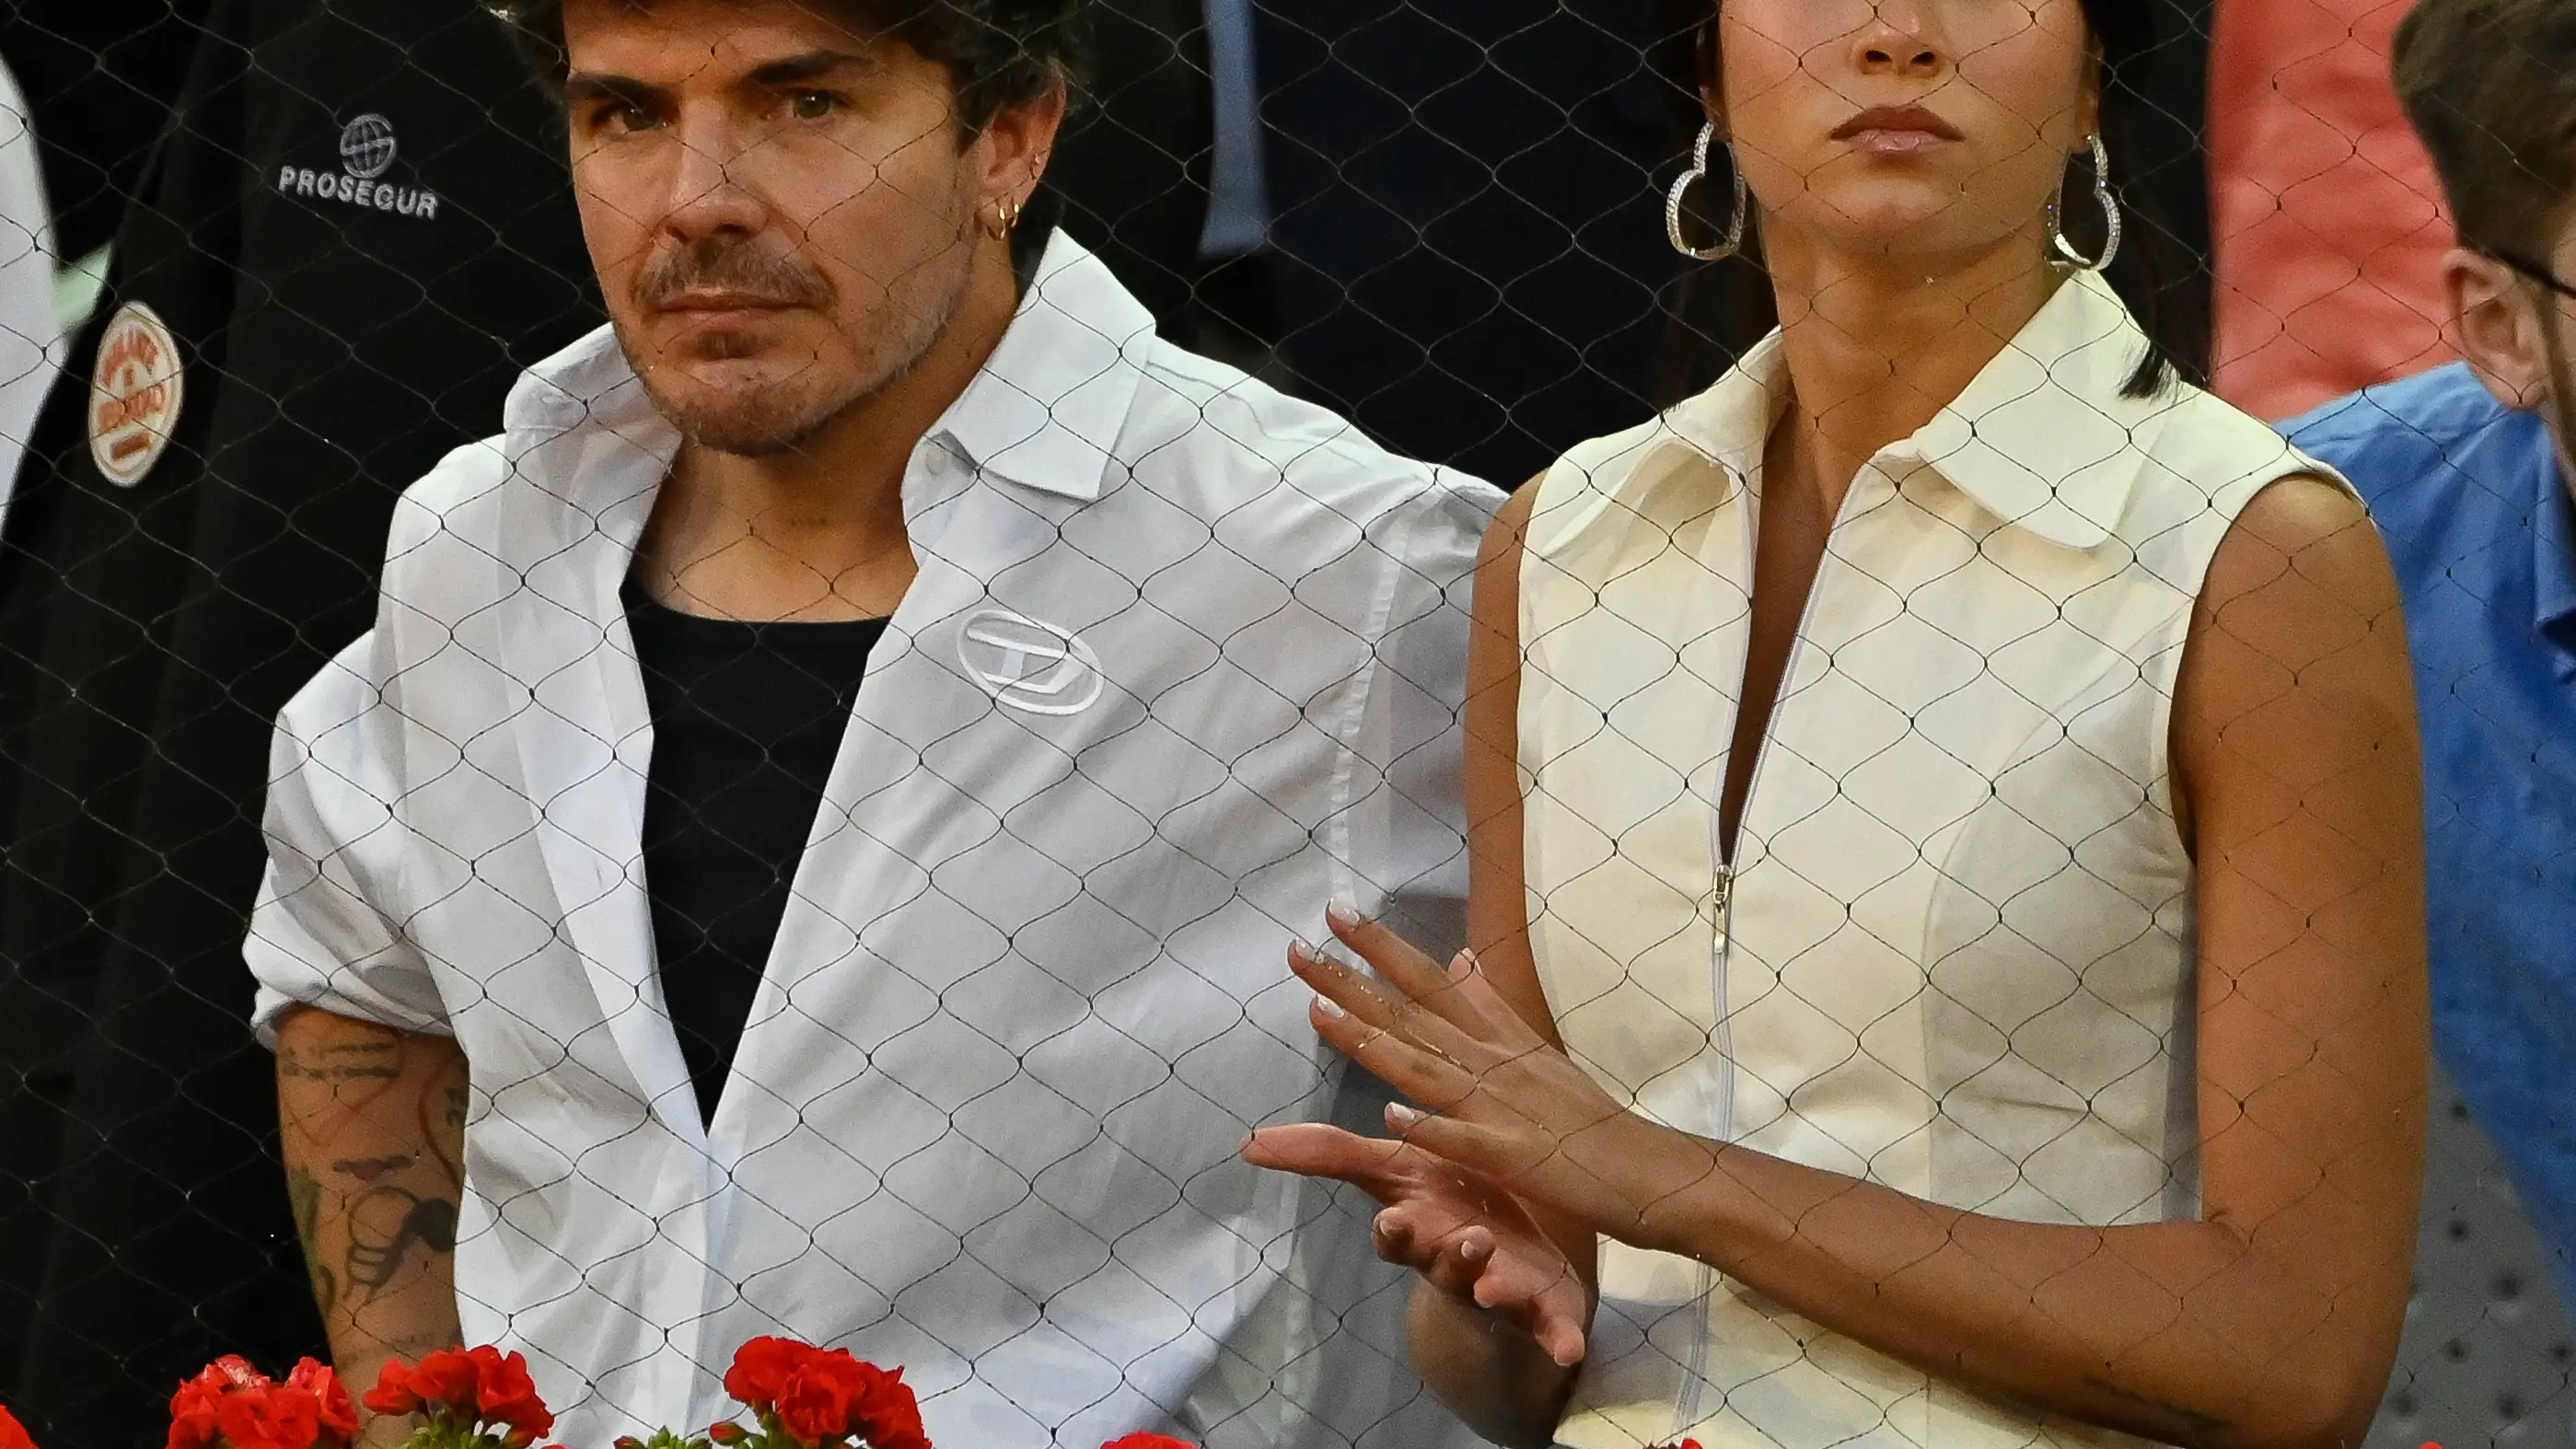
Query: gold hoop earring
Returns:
{"type": "Point", "coordinates": [1006, 215]}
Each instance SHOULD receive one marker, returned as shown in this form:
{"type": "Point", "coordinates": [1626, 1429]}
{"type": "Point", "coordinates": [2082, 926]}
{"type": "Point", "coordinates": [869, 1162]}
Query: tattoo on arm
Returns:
{"type": "Point", "coordinates": [385, 1224]}
{"type": "Point", "coordinates": [306, 1196]}
{"type": "Point", "coordinates": [371, 1121]}
{"type": "Point", "coordinates": [342, 1062]}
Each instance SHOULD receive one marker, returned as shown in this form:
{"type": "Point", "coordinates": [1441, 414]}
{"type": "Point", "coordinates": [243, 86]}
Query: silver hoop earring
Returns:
{"type": "Point", "coordinates": [2067, 256]}
{"type": "Point", "coordinates": [1733, 241]}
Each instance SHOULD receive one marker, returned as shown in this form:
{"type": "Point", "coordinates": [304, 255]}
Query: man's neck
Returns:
{"type": "Point", "coordinates": [817, 533]}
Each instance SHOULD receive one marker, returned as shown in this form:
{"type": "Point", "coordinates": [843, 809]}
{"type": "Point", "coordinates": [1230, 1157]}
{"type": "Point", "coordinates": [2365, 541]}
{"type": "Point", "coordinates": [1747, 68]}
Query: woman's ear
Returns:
{"type": "Point", "coordinates": [1713, 106]}
{"type": "Point", "coordinates": [2097, 77]}
{"type": "Point", "coordinates": [2499, 327]}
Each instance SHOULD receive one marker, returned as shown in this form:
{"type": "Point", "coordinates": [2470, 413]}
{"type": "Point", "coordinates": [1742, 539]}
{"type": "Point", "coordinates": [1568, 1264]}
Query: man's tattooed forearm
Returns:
{"type": "Point", "coordinates": [385, 1225]}
{"type": "Point", "coordinates": [305, 1194]}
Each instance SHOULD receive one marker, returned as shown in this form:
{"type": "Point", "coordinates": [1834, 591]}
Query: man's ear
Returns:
{"type": "Point", "coordinates": [2498, 324]}
{"type": "Point", "coordinates": [1018, 142]}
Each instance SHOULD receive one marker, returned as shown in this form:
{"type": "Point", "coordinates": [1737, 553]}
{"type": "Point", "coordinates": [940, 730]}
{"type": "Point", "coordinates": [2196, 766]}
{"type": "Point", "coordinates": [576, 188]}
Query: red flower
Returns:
{"type": "Point", "coordinates": [1148, 1441]}
{"type": "Point", "coordinates": [468, 1386]}
{"type": "Point", "coordinates": [831, 1396]}
{"type": "Point", "coordinates": [504, 1394]}
{"type": "Point", "coordinates": [397, 1391]}
{"type": "Point", "coordinates": [196, 1410]}
{"type": "Point", "coordinates": [821, 1398]}
{"type": "Point", "coordinates": [192, 1412]}
{"type": "Point", "coordinates": [269, 1416]}
{"type": "Point", "coordinates": [446, 1377]}
{"type": "Point", "coordinates": [441, 1383]}
{"type": "Point", "coordinates": [761, 1369]}
{"type": "Point", "coordinates": [13, 1435]}
{"type": "Point", "coordinates": [231, 1403]}
{"type": "Point", "coordinates": [338, 1416]}
{"type": "Point", "coordinates": [889, 1416]}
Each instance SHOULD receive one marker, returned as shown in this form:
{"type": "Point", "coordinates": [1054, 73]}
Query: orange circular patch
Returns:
{"type": "Point", "coordinates": [134, 393]}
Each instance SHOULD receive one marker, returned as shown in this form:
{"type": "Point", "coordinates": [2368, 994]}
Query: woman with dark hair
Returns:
{"type": "Point", "coordinates": [1948, 867]}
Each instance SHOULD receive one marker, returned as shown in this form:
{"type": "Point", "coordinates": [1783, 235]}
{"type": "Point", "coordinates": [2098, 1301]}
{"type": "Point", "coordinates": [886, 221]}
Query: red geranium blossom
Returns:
{"type": "Point", "coordinates": [814, 1397]}
{"type": "Point", "coordinates": [760, 1370]}
{"type": "Point", "coordinates": [505, 1394]}
{"type": "Point", "coordinates": [338, 1414]}
{"type": "Point", "coordinates": [1148, 1441]}
{"type": "Point", "coordinates": [13, 1435]}
{"type": "Point", "coordinates": [231, 1403]}
{"type": "Point", "coordinates": [469, 1392]}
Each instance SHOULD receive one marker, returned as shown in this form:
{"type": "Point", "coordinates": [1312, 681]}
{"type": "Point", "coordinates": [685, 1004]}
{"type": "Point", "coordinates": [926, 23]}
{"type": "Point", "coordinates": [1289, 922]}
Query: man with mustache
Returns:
{"type": "Point", "coordinates": [807, 845]}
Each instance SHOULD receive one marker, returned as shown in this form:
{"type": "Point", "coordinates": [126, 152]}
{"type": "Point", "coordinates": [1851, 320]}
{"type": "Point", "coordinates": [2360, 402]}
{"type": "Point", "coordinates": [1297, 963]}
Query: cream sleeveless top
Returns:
{"type": "Point", "coordinates": [1953, 954]}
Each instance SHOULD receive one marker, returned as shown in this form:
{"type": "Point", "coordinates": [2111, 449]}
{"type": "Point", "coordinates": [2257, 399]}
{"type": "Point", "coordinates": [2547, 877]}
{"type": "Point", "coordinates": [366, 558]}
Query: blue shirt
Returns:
{"type": "Point", "coordinates": [2477, 518]}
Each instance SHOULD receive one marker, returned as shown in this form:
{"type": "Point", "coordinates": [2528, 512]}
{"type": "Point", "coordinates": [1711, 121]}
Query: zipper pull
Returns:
{"type": "Point", "coordinates": [1721, 903]}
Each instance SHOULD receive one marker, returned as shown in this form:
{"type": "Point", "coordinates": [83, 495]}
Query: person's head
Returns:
{"type": "Point", "coordinates": [2490, 86]}
{"type": "Point", "coordinates": [1931, 132]}
{"type": "Point", "coordinates": [788, 200]}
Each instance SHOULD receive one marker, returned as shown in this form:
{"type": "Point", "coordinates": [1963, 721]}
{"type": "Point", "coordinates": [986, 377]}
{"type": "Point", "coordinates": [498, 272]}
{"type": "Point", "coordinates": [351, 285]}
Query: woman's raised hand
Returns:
{"type": "Point", "coordinates": [1466, 1237]}
{"type": "Point", "coordinates": [1509, 1108]}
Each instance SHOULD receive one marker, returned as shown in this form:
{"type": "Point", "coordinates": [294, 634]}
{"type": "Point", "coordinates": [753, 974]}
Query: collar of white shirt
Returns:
{"type": "Point", "coordinates": [1045, 412]}
{"type": "Point", "coordinates": [2045, 437]}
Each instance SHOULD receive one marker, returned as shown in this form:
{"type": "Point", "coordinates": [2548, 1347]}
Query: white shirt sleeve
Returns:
{"type": "Point", "coordinates": [29, 330]}
{"type": "Point", "coordinates": [320, 932]}
{"type": "Point", "coordinates": [1413, 730]}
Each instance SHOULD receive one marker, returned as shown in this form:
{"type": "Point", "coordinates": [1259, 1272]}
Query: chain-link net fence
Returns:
{"type": "Point", "coordinates": [796, 821]}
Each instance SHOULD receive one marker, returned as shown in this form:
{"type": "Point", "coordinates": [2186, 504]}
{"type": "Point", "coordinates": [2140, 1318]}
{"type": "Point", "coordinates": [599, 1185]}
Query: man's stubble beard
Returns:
{"type": "Point", "coordinates": [772, 419]}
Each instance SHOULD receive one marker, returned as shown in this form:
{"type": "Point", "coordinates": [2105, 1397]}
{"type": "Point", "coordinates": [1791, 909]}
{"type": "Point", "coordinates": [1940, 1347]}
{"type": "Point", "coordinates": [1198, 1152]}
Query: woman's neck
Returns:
{"type": "Point", "coordinates": [1875, 349]}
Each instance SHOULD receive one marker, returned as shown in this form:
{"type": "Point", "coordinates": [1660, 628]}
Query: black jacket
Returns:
{"type": "Point", "coordinates": [148, 635]}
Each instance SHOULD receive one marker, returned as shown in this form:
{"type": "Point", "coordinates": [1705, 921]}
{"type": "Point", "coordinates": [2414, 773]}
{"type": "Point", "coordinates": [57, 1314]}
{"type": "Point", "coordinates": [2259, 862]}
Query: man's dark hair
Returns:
{"type": "Point", "coordinates": [1000, 53]}
{"type": "Point", "coordinates": [2490, 86]}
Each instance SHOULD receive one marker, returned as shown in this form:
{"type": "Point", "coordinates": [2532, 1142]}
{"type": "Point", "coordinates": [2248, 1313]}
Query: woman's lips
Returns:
{"type": "Point", "coordinates": [1896, 130]}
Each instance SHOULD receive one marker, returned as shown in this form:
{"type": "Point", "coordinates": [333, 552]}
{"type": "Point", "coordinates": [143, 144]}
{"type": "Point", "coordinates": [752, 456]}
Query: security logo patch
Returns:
{"type": "Point", "coordinates": [367, 150]}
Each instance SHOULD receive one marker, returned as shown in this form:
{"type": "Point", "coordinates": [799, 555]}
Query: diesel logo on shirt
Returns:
{"type": "Point", "coordinates": [366, 153]}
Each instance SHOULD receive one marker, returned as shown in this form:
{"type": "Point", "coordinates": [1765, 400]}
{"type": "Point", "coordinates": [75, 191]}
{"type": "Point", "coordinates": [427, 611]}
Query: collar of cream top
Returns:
{"type": "Point", "coordinates": [1045, 412]}
{"type": "Point", "coordinates": [2043, 437]}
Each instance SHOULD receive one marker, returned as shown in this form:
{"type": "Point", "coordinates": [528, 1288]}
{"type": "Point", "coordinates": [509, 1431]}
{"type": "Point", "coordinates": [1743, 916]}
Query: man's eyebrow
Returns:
{"type": "Point", "coordinates": [585, 86]}
{"type": "Point", "coordinates": [812, 65]}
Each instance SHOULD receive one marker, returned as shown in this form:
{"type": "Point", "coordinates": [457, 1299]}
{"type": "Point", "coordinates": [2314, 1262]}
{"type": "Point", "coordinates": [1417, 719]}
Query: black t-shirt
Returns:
{"type": "Point", "coordinates": [747, 719]}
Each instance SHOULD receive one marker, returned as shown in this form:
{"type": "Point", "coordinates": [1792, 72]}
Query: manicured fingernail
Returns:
{"type": "Point", "coordinates": [1462, 965]}
{"type": "Point", "coordinates": [1329, 1007]}
{"type": "Point", "coordinates": [1475, 1252]}
{"type": "Point", "coordinates": [1342, 912]}
{"type": "Point", "coordinates": [1298, 949]}
{"type": "Point", "coordinates": [1400, 1116]}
